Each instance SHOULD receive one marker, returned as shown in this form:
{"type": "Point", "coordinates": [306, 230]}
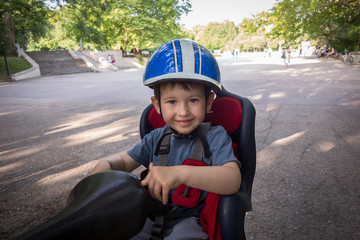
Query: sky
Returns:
{"type": "Point", "coordinates": [205, 11]}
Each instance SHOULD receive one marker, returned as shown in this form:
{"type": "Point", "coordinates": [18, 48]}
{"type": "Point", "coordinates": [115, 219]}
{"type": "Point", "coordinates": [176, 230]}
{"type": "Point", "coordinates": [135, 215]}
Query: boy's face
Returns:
{"type": "Point", "coordinates": [183, 110]}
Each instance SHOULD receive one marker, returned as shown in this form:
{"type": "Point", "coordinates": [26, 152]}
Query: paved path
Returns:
{"type": "Point", "coordinates": [54, 129]}
{"type": "Point", "coordinates": [307, 183]}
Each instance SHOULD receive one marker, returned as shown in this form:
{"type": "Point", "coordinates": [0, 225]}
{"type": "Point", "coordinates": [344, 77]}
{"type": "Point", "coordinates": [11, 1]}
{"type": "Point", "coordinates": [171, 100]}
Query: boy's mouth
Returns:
{"type": "Point", "coordinates": [184, 123]}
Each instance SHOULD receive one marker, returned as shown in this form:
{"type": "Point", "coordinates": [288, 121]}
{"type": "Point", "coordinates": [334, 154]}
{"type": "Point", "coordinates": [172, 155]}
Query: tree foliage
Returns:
{"type": "Point", "coordinates": [255, 25]}
{"type": "Point", "coordinates": [56, 38]}
{"type": "Point", "coordinates": [337, 22]}
{"type": "Point", "coordinates": [125, 23]}
{"type": "Point", "coordinates": [216, 35]}
{"type": "Point", "coordinates": [23, 19]}
{"type": "Point", "coordinates": [115, 24]}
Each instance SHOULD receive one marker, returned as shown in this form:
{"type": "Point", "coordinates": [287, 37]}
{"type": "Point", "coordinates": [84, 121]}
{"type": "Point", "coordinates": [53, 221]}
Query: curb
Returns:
{"type": "Point", "coordinates": [32, 72]}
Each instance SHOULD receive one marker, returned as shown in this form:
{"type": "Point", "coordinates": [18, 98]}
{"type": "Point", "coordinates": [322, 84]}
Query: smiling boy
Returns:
{"type": "Point", "coordinates": [182, 74]}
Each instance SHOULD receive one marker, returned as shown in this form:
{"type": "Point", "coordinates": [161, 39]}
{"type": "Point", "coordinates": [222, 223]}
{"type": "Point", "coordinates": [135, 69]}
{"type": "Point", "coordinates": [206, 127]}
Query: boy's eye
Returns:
{"type": "Point", "coordinates": [172, 101]}
{"type": "Point", "coordinates": [193, 100]}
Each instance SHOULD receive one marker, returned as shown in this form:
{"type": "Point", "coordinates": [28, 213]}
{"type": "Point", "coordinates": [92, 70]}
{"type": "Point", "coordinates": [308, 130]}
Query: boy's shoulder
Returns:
{"type": "Point", "coordinates": [217, 134]}
{"type": "Point", "coordinates": [217, 130]}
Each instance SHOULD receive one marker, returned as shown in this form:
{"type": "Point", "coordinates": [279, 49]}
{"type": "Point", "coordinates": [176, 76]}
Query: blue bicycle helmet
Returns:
{"type": "Point", "coordinates": [183, 60]}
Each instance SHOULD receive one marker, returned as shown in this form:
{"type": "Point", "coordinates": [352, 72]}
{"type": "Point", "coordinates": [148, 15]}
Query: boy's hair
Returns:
{"type": "Point", "coordinates": [186, 85]}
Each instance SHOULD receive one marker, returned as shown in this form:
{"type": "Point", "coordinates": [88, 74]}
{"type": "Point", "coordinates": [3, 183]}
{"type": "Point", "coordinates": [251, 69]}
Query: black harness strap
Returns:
{"type": "Point", "coordinates": [157, 230]}
{"type": "Point", "coordinates": [163, 149]}
{"type": "Point", "coordinates": [201, 143]}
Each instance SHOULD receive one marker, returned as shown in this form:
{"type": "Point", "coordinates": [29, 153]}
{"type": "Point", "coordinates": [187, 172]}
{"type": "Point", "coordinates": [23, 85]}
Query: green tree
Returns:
{"type": "Point", "coordinates": [255, 25]}
{"type": "Point", "coordinates": [56, 38]}
{"type": "Point", "coordinates": [337, 22]}
{"type": "Point", "coordinates": [255, 28]}
{"type": "Point", "coordinates": [84, 20]}
{"type": "Point", "coordinates": [22, 19]}
{"type": "Point", "coordinates": [155, 22]}
{"type": "Point", "coordinates": [216, 35]}
{"type": "Point", "coordinates": [126, 23]}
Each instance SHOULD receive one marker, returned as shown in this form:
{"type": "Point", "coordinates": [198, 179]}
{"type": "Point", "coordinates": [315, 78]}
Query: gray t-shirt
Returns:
{"type": "Point", "coordinates": [220, 145]}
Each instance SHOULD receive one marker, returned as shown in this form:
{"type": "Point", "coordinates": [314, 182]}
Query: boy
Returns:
{"type": "Point", "coordinates": [182, 74]}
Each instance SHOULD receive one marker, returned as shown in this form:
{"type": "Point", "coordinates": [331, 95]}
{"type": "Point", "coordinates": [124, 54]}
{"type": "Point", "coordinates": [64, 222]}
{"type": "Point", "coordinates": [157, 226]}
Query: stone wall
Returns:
{"type": "Point", "coordinates": [32, 72]}
{"type": "Point", "coordinates": [120, 61]}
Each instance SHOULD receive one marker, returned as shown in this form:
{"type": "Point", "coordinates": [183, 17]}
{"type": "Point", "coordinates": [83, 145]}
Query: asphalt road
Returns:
{"type": "Point", "coordinates": [307, 184]}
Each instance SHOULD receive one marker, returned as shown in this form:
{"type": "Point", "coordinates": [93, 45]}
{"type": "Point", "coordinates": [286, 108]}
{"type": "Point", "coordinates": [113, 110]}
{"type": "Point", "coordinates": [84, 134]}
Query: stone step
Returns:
{"type": "Point", "coordinates": [51, 71]}
{"type": "Point", "coordinates": [58, 63]}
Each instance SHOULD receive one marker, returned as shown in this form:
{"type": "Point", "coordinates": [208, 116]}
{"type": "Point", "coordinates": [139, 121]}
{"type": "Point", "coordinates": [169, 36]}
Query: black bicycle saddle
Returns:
{"type": "Point", "coordinates": [107, 205]}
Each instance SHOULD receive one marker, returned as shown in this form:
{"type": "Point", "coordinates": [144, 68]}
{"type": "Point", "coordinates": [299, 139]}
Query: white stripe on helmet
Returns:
{"type": "Point", "coordinates": [175, 56]}
{"type": "Point", "coordinates": [188, 57]}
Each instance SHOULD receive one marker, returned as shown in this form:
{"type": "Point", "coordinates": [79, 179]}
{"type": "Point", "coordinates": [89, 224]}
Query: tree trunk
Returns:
{"type": "Point", "coordinates": [10, 34]}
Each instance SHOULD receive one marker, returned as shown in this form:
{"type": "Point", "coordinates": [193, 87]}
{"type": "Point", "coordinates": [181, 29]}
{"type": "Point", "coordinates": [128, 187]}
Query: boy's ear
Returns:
{"type": "Point", "coordinates": [210, 101]}
{"type": "Point", "coordinates": [156, 104]}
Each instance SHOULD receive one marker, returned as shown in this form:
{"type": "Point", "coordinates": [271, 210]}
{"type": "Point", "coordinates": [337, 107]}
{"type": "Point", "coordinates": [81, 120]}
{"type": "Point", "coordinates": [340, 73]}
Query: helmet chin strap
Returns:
{"type": "Point", "coordinates": [160, 106]}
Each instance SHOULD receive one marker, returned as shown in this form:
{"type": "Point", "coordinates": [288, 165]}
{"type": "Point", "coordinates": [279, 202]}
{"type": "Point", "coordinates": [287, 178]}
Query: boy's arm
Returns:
{"type": "Point", "coordinates": [223, 179]}
{"type": "Point", "coordinates": [123, 163]}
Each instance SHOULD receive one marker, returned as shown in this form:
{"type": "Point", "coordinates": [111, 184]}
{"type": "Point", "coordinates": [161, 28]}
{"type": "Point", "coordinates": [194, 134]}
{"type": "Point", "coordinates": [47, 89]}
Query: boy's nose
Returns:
{"type": "Point", "coordinates": [182, 109]}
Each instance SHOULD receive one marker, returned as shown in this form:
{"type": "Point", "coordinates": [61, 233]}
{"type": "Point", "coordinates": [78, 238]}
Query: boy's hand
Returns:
{"type": "Point", "coordinates": [160, 180]}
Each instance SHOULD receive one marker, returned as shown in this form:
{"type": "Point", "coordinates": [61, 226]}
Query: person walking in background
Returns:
{"type": "Point", "coordinates": [286, 56]}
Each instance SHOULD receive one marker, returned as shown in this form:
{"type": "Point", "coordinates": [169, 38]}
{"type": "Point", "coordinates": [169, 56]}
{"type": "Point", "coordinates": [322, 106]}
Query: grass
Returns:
{"type": "Point", "coordinates": [16, 64]}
